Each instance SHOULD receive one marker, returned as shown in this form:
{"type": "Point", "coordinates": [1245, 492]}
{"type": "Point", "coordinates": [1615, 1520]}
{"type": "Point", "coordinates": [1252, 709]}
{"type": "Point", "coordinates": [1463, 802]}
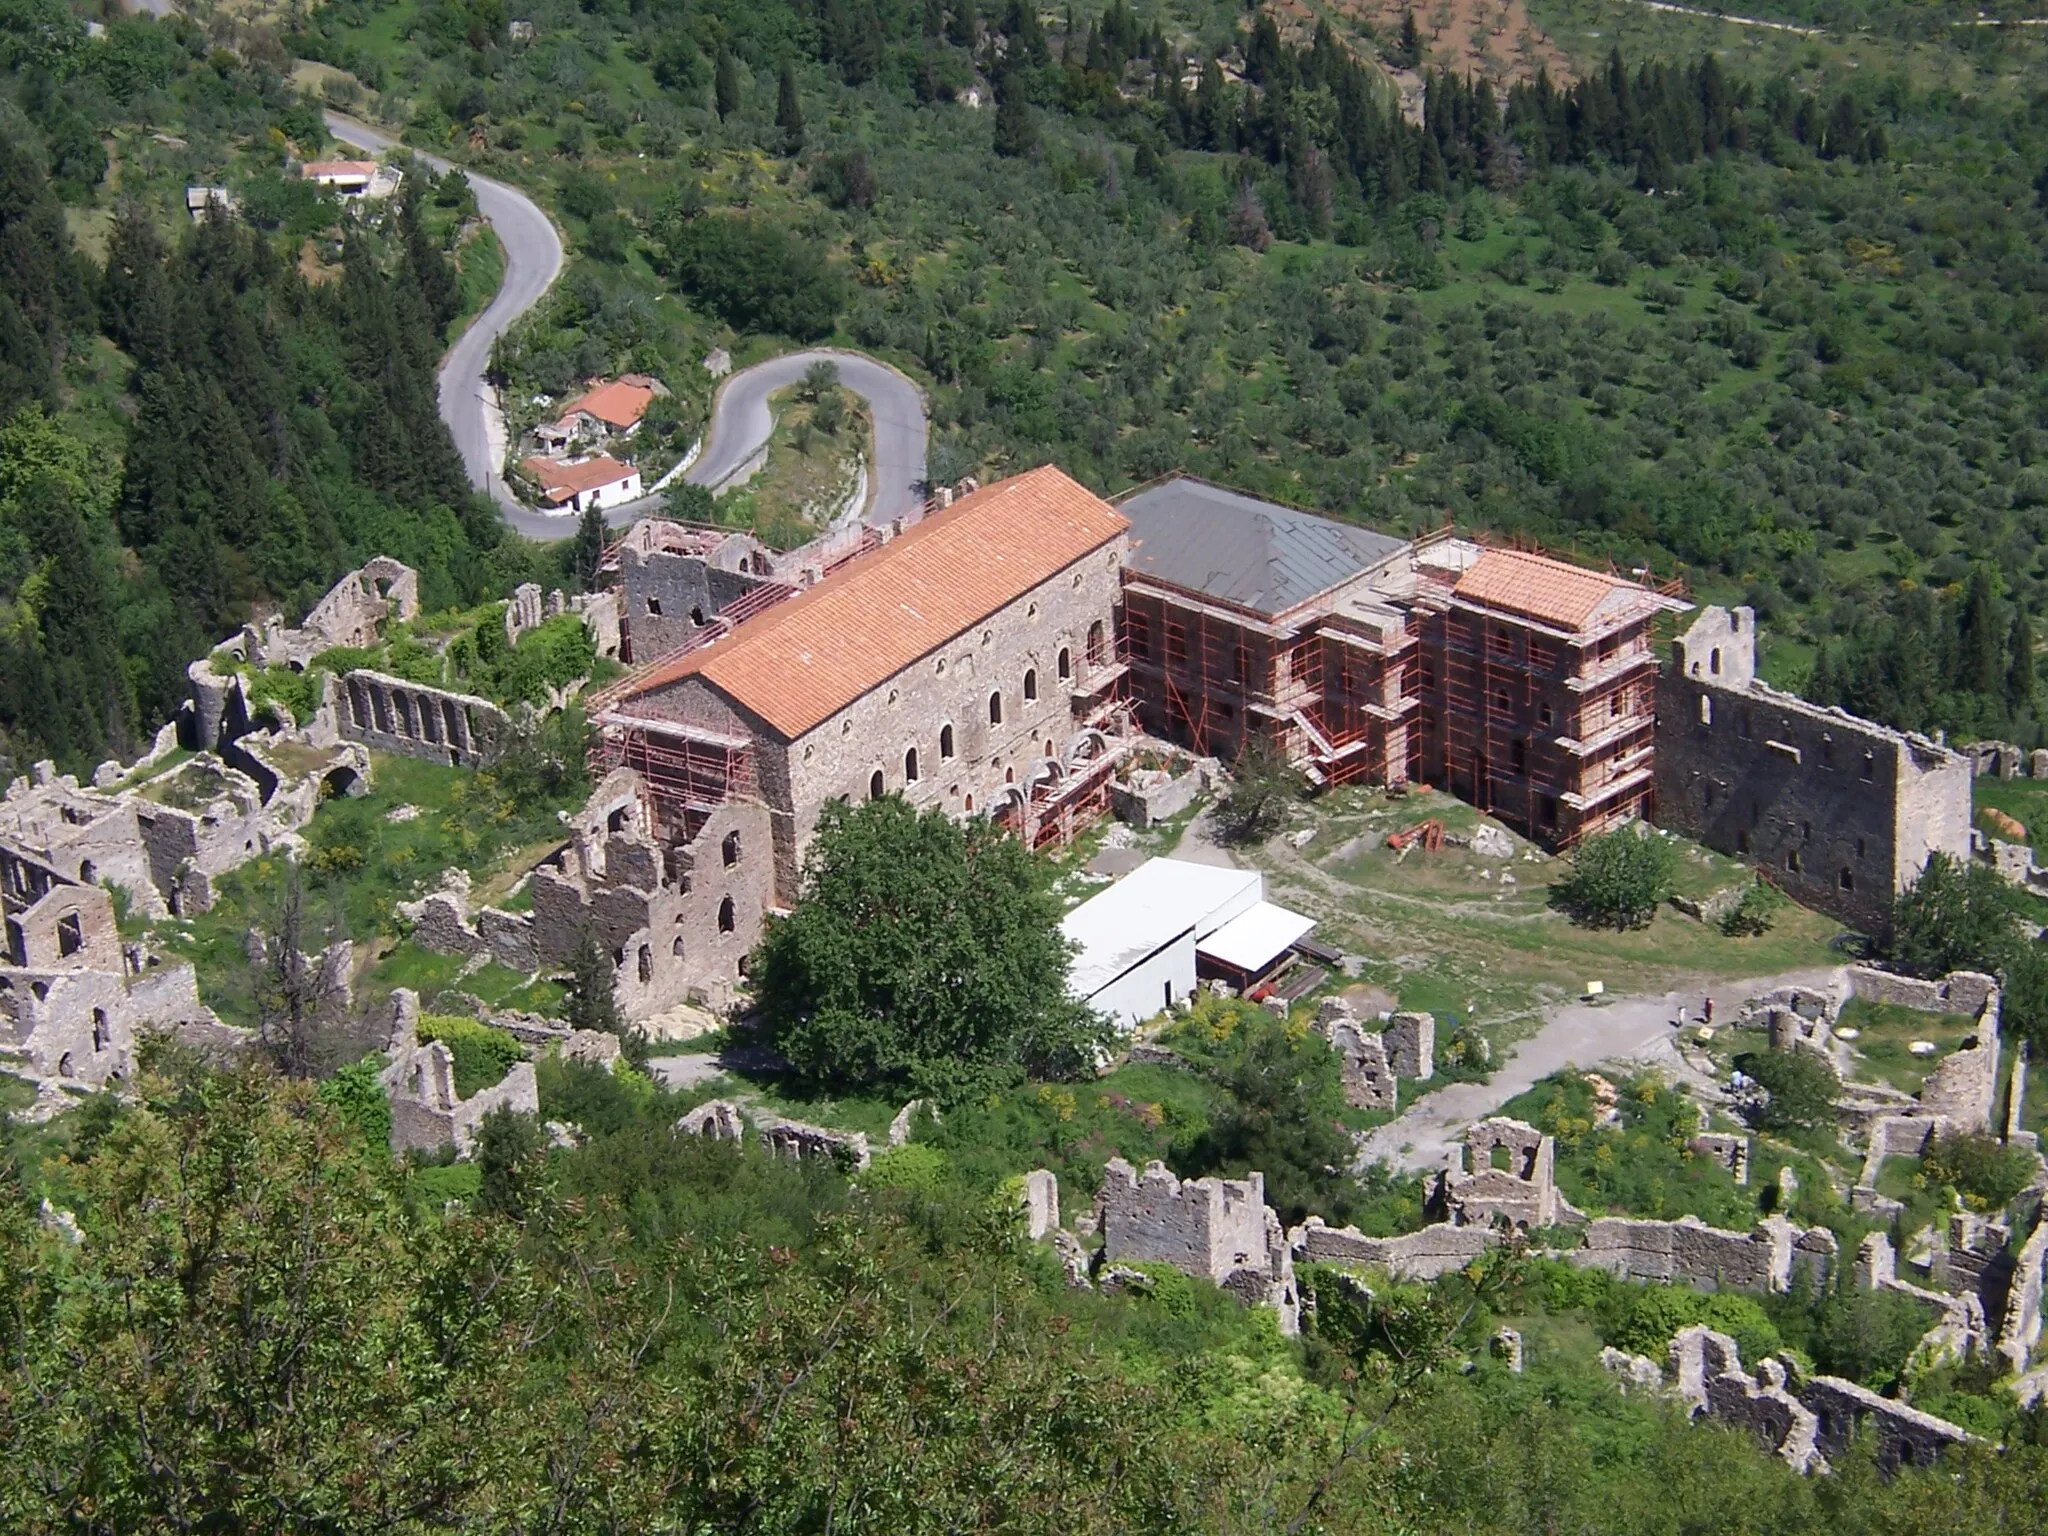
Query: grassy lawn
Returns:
{"type": "Point", "coordinates": [1443, 934]}
{"type": "Point", "coordinates": [1884, 1033]}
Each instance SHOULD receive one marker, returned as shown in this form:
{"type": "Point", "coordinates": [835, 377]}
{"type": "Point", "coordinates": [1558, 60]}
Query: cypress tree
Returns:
{"type": "Point", "coordinates": [586, 552]}
{"type": "Point", "coordinates": [789, 109]}
{"type": "Point", "coordinates": [1978, 636]}
{"type": "Point", "coordinates": [725, 85]}
{"type": "Point", "coordinates": [2019, 667]}
{"type": "Point", "coordinates": [1016, 126]}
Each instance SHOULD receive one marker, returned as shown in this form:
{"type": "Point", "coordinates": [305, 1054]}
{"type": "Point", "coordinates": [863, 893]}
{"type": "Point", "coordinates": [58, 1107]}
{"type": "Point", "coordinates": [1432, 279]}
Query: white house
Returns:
{"type": "Point", "coordinates": [353, 178]}
{"type": "Point", "coordinates": [573, 485]}
{"type": "Point", "coordinates": [1142, 942]}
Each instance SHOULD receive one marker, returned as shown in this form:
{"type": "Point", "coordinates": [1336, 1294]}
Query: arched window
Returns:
{"type": "Point", "coordinates": [876, 788]}
{"type": "Point", "coordinates": [1030, 685]}
{"type": "Point", "coordinates": [970, 803]}
{"type": "Point", "coordinates": [725, 915]}
{"type": "Point", "coordinates": [1714, 661]}
{"type": "Point", "coordinates": [1096, 651]}
{"type": "Point", "coordinates": [87, 873]}
{"type": "Point", "coordinates": [995, 708]}
{"type": "Point", "coordinates": [910, 766]}
{"type": "Point", "coordinates": [676, 948]}
{"type": "Point", "coordinates": [1065, 664]}
{"type": "Point", "coordinates": [1706, 710]}
{"type": "Point", "coordinates": [731, 848]}
{"type": "Point", "coordinates": [646, 965]}
{"type": "Point", "coordinates": [945, 741]}
{"type": "Point", "coordinates": [697, 616]}
{"type": "Point", "coordinates": [100, 1031]}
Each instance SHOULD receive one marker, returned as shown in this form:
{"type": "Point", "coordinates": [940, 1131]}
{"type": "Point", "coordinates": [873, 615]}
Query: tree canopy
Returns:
{"type": "Point", "coordinates": [923, 955]}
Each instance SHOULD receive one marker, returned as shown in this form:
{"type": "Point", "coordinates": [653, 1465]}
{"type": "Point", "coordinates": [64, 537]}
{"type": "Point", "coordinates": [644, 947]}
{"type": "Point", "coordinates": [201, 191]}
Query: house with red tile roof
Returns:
{"type": "Point", "coordinates": [611, 408]}
{"type": "Point", "coordinates": [571, 485]}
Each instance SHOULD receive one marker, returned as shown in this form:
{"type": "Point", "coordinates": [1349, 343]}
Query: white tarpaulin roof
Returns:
{"type": "Point", "coordinates": [1150, 907]}
{"type": "Point", "coordinates": [1255, 939]}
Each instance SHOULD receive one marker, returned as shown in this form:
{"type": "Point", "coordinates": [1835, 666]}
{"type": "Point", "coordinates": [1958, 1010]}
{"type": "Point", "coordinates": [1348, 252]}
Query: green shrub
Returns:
{"type": "Point", "coordinates": [358, 1096]}
{"type": "Point", "coordinates": [1802, 1086]}
{"type": "Point", "coordinates": [483, 1055]}
{"type": "Point", "coordinates": [917, 1168]}
{"type": "Point", "coordinates": [1987, 1173]}
{"type": "Point", "coordinates": [1170, 1290]}
{"type": "Point", "coordinates": [1642, 1319]}
{"type": "Point", "coordinates": [1617, 880]}
{"type": "Point", "coordinates": [1753, 916]}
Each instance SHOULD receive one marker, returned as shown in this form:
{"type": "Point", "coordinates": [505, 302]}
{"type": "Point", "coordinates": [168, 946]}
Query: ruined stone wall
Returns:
{"type": "Point", "coordinates": [1957, 992]}
{"type": "Point", "coordinates": [82, 1025]}
{"type": "Point", "coordinates": [2019, 1333]}
{"type": "Point", "coordinates": [1840, 811]}
{"type": "Point", "coordinates": [1522, 1193]}
{"type": "Point", "coordinates": [68, 927]}
{"type": "Point", "coordinates": [1206, 1227]}
{"type": "Point", "coordinates": [355, 608]}
{"type": "Point", "coordinates": [1436, 1250]}
{"type": "Point", "coordinates": [426, 1112]}
{"type": "Point", "coordinates": [1904, 1433]}
{"type": "Point", "coordinates": [91, 837]}
{"type": "Point", "coordinates": [669, 598]}
{"type": "Point", "coordinates": [389, 714]}
{"type": "Point", "coordinates": [1707, 1257]}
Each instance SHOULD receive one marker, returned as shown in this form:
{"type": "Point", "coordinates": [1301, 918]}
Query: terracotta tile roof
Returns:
{"type": "Point", "coordinates": [804, 660]}
{"type": "Point", "coordinates": [561, 481]}
{"type": "Point", "coordinates": [1537, 587]}
{"type": "Point", "coordinates": [312, 170]}
{"type": "Point", "coordinates": [617, 404]}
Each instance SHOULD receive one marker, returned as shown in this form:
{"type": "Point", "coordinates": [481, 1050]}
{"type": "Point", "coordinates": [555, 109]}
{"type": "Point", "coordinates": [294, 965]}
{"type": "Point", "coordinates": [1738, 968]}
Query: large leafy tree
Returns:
{"type": "Point", "coordinates": [1283, 1119]}
{"type": "Point", "coordinates": [1617, 880]}
{"type": "Point", "coordinates": [1957, 916]}
{"type": "Point", "coordinates": [922, 955]}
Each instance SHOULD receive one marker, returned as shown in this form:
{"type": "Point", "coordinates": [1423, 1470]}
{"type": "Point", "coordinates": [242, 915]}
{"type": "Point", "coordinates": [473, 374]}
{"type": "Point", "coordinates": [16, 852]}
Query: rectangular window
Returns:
{"type": "Point", "coordinates": [1138, 630]}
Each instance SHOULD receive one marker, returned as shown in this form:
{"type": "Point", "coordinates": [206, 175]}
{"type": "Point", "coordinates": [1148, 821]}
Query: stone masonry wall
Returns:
{"type": "Point", "coordinates": [1840, 811]}
{"type": "Point", "coordinates": [669, 598]}
{"type": "Point", "coordinates": [1436, 1250]}
{"type": "Point", "coordinates": [1708, 1257]}
{"type": "Point", "coordinates": [390, 714]}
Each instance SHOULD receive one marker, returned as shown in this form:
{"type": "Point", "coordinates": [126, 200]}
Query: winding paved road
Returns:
{"type": "Point", "coordinates": [740, 418]}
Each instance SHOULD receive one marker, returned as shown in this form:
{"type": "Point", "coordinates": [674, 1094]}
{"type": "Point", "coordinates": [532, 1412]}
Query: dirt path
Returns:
{"type": "Point", "coordinates": [1636, 1030]}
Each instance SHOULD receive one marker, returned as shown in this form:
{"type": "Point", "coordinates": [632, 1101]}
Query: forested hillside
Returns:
{"type": "Point", "coordinates": [1773, 324]}
{"type": "Point", "coordinates": [206, 417]}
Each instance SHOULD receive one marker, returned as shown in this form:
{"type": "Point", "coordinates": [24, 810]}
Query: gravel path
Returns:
{"type": "Point", "coordinates": [1634, 1030]}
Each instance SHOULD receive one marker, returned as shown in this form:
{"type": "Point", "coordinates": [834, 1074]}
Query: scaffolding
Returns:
{"type": "Point", "coordinates": [690, 767]}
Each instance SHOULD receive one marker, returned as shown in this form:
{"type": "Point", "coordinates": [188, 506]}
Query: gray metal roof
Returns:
{"type": "Point", "coordinates": [1238, 549]}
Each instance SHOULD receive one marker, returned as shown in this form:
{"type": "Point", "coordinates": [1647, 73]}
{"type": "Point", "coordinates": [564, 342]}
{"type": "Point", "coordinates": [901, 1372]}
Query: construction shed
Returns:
{"type": "Point", "coordinates": [1142, 943]}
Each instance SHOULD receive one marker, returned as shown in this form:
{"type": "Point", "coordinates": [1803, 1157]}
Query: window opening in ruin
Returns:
{"type": "Point", "coordinates": [970, 802]}
{"type": "Point", "coordinates": [1861, 845]}
{"type": "Point", "coordinates": [1500, 700]}
{"type": "Point", "coordinates": [676, 949]}
{"type": "Point", "coordinates": [1501, 1158]}
{"type": "Point", "coordinates": [616, 822]}
{"type": "Point", "coordinates": [1848, 880]}
{"type": "Point", "coordinates": [995, 708]}
{"type": "Point", "coordinates": [1169, 991]}
{"type": "Point", "coordinates": [1518, 755]}
{"type": "Point", "coordinates": [1547, 808]}
{"type": "Point", "coordinates": [1806, 831]}
{"type": "Point", "coordinates": [1869, 767]}
{"type": "Point", "coordinates": [876, 788]}
{"type": "Point", "coordinates": [654, 607]}
{"type": "Point", "coordinates": [1064, 665]}
{"type": "Point", "coordinates": [910, 766]}
{"type": "Point", "coordinates": [70, 935]}
{"type": "Point", "coordinates": [945, 741]}
{"type": "Point", "coordinates": [646, 965]}
{"type": "Point", "coordinates": [1009, 775]}
{"type": "Point", "coordinates": [744, 962]}
{"type": "Point", "coordinates": [1742, 841]}
{"type": "Point", "coordinates": [64, 1066]}
{"type": "Point", "coordinates": [730, 849]}
{"type": "Point", "coordinates": [1792, 861]}
{"type": "Point", "coordinates": [100, 1031]}
{"type": "Point", "coordinates": [725, 916]}
{"type": "Point", "coordinates": [1546, 714]}
{"type": "Point", "coordinates": [988, 637]}
{"type": "Point", "coordinates": [1030, 685]}
{"type": "Point", "coordinates": [1708, 787]}
{"type": "Point", "coordinates": [1706, 710]}
{"type": "Point", "coordinates": [1500, 642]}
{"type": "Point", "coordinates": [697, 616]}
{"type": "Point", "coordinates": [894, 695]}
{"type": "Point", "coordinates": [1714, 661]}
{"type": "Point", "coordinates": [88, 874]}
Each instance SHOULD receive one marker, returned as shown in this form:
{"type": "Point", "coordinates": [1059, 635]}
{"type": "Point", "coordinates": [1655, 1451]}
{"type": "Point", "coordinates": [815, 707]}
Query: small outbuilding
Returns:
{"type": "Point", "coordinates": [1142, 943]}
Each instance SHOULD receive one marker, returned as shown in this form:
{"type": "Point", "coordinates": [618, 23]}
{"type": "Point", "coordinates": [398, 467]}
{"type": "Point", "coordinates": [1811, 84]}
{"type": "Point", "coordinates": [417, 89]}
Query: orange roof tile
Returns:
{"type": "Point", "coordinates": [1537, 587]}
{"type": "Point", "coordinates": [804, 660]}
{"type": "Point", "coordinates": [617, 404]}
{"type": "Point", "coordinates": [314, 169]}
{"type": "Point", "coordinates": [561, 481]}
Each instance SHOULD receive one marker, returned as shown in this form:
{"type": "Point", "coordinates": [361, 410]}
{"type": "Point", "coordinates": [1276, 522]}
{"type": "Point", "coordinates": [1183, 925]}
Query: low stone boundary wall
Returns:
{"type": "Point", "coordinates": [1957, 992]}
{"type": "Point", "coordinates": [1439, 1250]}
{"type": "Point", "coordinates": [1707, 1257]}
